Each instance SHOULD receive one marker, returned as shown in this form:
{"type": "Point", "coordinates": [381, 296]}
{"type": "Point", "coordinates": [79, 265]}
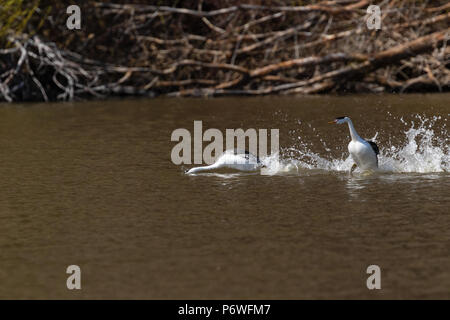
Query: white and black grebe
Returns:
{"type": "Point", "coordinates": [363, 152]}
{"type": "Point", "coordinates": [234, 160]}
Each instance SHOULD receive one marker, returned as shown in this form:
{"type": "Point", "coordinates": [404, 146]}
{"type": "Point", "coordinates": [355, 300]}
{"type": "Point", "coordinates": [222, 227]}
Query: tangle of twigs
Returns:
{"type": "Point", "coordinates": [210, 49]}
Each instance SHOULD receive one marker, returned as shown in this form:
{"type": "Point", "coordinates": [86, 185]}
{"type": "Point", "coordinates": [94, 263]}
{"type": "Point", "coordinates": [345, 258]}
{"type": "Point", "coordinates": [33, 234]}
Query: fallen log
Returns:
{"type": "Point", "coordinates": [382, 59]}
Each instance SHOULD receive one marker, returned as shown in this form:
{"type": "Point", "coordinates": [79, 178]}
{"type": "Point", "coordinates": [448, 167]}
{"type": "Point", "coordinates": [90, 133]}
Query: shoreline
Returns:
{"type": "Point", "coordinates": [126, 99]}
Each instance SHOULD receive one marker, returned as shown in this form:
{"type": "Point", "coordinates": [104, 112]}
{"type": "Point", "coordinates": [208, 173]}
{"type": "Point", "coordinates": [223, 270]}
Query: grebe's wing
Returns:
{"type": "Point", "coordinates": [374, 147]}
{"type": "Point", "coordinates": [246, 154]}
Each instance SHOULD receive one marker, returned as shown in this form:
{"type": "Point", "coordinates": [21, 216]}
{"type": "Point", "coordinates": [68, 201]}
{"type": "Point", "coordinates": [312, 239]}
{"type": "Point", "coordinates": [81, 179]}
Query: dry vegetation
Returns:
{"type": "Point", "coordinates": [212, 48]}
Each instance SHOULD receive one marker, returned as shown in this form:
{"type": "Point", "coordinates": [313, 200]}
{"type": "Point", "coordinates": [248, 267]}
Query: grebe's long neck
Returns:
{"type": "Point", "coordinates": [353, 133]}
{"type": "Point", "coordinates": [205, 168]}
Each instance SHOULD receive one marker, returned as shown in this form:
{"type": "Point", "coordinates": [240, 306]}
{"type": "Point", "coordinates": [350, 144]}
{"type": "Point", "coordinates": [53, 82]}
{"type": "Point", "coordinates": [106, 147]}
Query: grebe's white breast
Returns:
{"type": "Point", "coordinates": [363, 154]}
{"type": "Point", "coordinates": [243, 161]}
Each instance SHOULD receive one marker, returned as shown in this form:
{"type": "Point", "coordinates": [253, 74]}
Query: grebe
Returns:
{"type": "Point", "coordinates": [363, 152]}
{"type": "Point", "coordinates": [231, 159]}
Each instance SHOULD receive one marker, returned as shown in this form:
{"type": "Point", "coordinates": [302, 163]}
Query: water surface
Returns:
{"type": "Point", "coordinates": [92, 184]}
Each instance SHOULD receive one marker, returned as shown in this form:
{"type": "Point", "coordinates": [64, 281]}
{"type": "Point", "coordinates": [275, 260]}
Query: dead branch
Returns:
{"type": "Point", "coordinates": [251, 49]}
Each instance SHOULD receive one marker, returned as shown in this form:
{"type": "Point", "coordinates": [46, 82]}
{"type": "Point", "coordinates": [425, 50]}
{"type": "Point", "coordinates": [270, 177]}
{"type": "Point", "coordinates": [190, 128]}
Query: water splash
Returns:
{"type": "Point", "coordinates": [425, 149]}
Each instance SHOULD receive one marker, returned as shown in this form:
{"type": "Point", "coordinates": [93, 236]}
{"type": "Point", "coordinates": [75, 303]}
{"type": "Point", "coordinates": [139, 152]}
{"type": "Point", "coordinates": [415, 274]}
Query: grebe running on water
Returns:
{"type": "Point", "coordinates": [231, 159]}
{"type": "Point", "coordinates": [363, 152]}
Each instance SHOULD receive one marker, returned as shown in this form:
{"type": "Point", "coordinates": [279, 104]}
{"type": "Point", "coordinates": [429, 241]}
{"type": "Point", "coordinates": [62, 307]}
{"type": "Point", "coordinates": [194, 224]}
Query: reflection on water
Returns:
{"type": "Point", "coordinates": [354, 187]}
{"type": "Point", "coordinates": [92, 184]}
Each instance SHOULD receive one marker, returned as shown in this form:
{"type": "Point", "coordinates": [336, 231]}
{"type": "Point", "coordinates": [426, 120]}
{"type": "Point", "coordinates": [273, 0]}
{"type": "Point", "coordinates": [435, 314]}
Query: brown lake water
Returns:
{"type": "Point", "coordinates": [92, 184]}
